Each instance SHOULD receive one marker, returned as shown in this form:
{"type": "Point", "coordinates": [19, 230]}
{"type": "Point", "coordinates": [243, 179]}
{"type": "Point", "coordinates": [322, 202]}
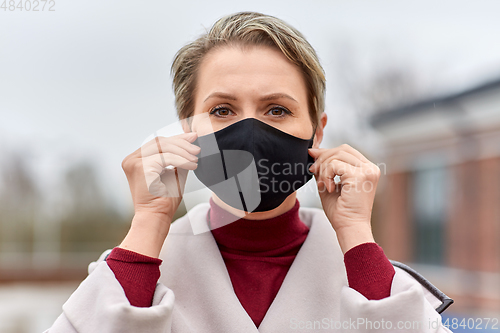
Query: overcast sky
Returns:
{"type": "Point", "coordinates": [90, 80]}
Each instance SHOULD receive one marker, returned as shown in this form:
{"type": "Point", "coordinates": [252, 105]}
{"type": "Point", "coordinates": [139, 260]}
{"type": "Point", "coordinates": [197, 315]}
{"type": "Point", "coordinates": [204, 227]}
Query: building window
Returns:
{"type": "Point", "coordinates": [429, 188]}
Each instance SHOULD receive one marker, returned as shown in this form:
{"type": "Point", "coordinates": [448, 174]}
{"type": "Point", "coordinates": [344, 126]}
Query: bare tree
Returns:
{"type": "Point", "coordinates": [84, 190]}
{"type": "Point", "coordinates": [376, 83]}
{"type": "Point", "coordinates": [18, 199]}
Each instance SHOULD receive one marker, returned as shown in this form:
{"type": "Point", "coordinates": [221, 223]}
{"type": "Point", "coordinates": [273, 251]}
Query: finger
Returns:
{"type": "Point", "coordinates": [346, 157]}
{"type": "Point", "coordinates": [353, 151]}
{"type": "Point", "coordinates": [330, 170]}
{"type": "Point", "coordinates": [182, 140]}
{"type": "Point", "coordinates": [156, 163]}
{"type": "Point", "coordinates": [185, 143]}
{"type": "Point", "coordinates": [189, 146]}
{"type": "Point", "coordinates": [345, 147]}
{"type": "Point", "coordinates": [320, 154]}
{"type": "Point", "coordinates": [329, 187]}
{"type": "Point", "coordinates": [167, 182]}
{"type": "Point", "coordinates": [164, 144]}
{"type": "Point", "coordinates": [173, 149]}
{"type": "Point", "coordinates": [170, 183]}
{"type": "Point", "coordinates": [340, 155]}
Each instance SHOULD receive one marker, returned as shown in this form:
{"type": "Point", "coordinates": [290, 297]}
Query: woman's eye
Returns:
{"type": "Point", "coordinates": [220, 111]}
{"type": "Point", "coordinates": [279, 111]}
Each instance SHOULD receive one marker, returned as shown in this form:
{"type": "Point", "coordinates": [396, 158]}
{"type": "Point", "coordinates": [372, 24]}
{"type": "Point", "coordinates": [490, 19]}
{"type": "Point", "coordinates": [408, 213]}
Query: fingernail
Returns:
{"type": "Point", "coordinates": [192, 136]}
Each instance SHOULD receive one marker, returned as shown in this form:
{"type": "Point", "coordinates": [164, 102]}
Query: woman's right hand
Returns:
{"type": "Point", "coordinates": [157, 190]}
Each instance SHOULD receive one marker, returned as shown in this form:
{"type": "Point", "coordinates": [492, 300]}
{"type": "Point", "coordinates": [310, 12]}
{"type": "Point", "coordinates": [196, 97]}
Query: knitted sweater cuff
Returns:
{"type": "Point", "coordinates": [136, 273]}
{"type": "Point", "coordinates": [369, 271]}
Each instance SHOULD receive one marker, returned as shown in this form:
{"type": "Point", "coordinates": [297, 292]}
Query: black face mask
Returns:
{"type": "Point", "coordinates": [253, 166]}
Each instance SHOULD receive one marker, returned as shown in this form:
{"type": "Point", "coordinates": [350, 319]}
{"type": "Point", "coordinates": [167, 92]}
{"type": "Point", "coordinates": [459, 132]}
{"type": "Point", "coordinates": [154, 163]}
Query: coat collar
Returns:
{"type": "Point", "coordinates": [204, 298]}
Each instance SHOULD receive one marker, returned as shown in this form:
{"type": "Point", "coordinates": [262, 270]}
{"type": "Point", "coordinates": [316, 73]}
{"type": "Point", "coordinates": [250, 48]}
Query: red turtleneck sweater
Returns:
{"type": "Point", "coordinates": [257, 254]}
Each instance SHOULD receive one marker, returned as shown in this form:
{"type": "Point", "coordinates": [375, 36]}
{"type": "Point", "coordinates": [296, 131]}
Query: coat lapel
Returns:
{"type": "Point", "coordinates": [313, 281]}
{"type": "Point", "coordinates": [204, 297]}
{"type": "Point", "coordinates": [195, 270]}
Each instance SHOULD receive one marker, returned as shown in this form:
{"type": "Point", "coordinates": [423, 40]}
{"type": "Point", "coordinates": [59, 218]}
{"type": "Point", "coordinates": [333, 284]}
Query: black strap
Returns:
{"type": "Point", "coordinates": [446, 301]}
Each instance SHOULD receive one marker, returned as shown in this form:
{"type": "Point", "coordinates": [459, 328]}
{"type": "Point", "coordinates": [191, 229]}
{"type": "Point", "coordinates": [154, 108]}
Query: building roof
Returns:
{"type": "Point", "coordinates": [386, 116]}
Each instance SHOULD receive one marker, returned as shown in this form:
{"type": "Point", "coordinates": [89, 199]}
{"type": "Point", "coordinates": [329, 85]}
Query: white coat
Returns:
{"type": "Point", "coordinates": [194, 293]}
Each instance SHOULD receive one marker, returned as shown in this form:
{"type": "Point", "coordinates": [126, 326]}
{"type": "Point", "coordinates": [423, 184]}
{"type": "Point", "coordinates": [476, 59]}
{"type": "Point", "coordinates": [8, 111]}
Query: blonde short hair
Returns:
{"type": "Point", "coordinates": [248, 28]}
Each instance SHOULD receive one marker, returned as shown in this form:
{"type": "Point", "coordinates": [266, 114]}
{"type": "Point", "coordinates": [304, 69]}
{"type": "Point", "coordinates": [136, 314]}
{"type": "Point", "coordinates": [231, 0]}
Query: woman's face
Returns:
{"type": "Point", "coordinates": [254, 82]}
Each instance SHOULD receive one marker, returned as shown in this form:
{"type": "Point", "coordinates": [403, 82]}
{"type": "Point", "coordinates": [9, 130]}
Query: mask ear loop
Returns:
{"type": "Point", "coordinates": [314, 132]}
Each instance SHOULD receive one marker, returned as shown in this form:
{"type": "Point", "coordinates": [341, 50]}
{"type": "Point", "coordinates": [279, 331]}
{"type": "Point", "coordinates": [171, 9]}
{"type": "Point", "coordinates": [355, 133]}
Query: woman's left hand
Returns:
{"type": "Point", "coordinates": [347, 204]}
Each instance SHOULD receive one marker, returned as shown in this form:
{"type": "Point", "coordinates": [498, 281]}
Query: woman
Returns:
{"type": "Point", "coordinates": [263, 263]}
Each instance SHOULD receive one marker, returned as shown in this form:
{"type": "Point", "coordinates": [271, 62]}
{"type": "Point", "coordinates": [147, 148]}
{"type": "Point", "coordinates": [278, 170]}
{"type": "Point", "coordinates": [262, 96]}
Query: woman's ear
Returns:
{"type": "Point", "coordinates": [318, 137]}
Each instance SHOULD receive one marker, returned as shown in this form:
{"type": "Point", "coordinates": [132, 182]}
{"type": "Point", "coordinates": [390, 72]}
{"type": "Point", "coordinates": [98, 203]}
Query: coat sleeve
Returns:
{"type": "Point", "coordinates": [99, 304]}
{"type": "Point", "coordinates": [407, 309]}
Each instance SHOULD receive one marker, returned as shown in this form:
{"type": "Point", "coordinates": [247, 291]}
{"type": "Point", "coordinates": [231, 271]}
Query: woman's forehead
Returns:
{"type": "Point", "coordinates": [261, 70]}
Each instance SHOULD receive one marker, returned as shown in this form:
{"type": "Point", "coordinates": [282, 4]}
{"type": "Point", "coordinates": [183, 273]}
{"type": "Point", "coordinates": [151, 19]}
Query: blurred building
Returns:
{"type": "Point", "coordinates": [440, 206]}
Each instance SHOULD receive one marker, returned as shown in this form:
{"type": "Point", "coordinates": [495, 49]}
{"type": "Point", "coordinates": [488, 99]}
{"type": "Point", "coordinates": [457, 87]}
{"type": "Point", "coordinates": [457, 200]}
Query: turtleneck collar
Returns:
{"type": "Point", "coordinates": [255, 235]}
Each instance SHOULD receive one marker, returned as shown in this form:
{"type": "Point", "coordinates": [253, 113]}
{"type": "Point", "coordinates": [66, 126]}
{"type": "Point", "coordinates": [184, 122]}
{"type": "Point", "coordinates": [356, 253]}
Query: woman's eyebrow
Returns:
{"type": "Point", "coordinates": [221, 95]}
{"type": "Point", "coordinates": [264, 98]}
{"type": "Point", "coordinates": [277, 96]}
